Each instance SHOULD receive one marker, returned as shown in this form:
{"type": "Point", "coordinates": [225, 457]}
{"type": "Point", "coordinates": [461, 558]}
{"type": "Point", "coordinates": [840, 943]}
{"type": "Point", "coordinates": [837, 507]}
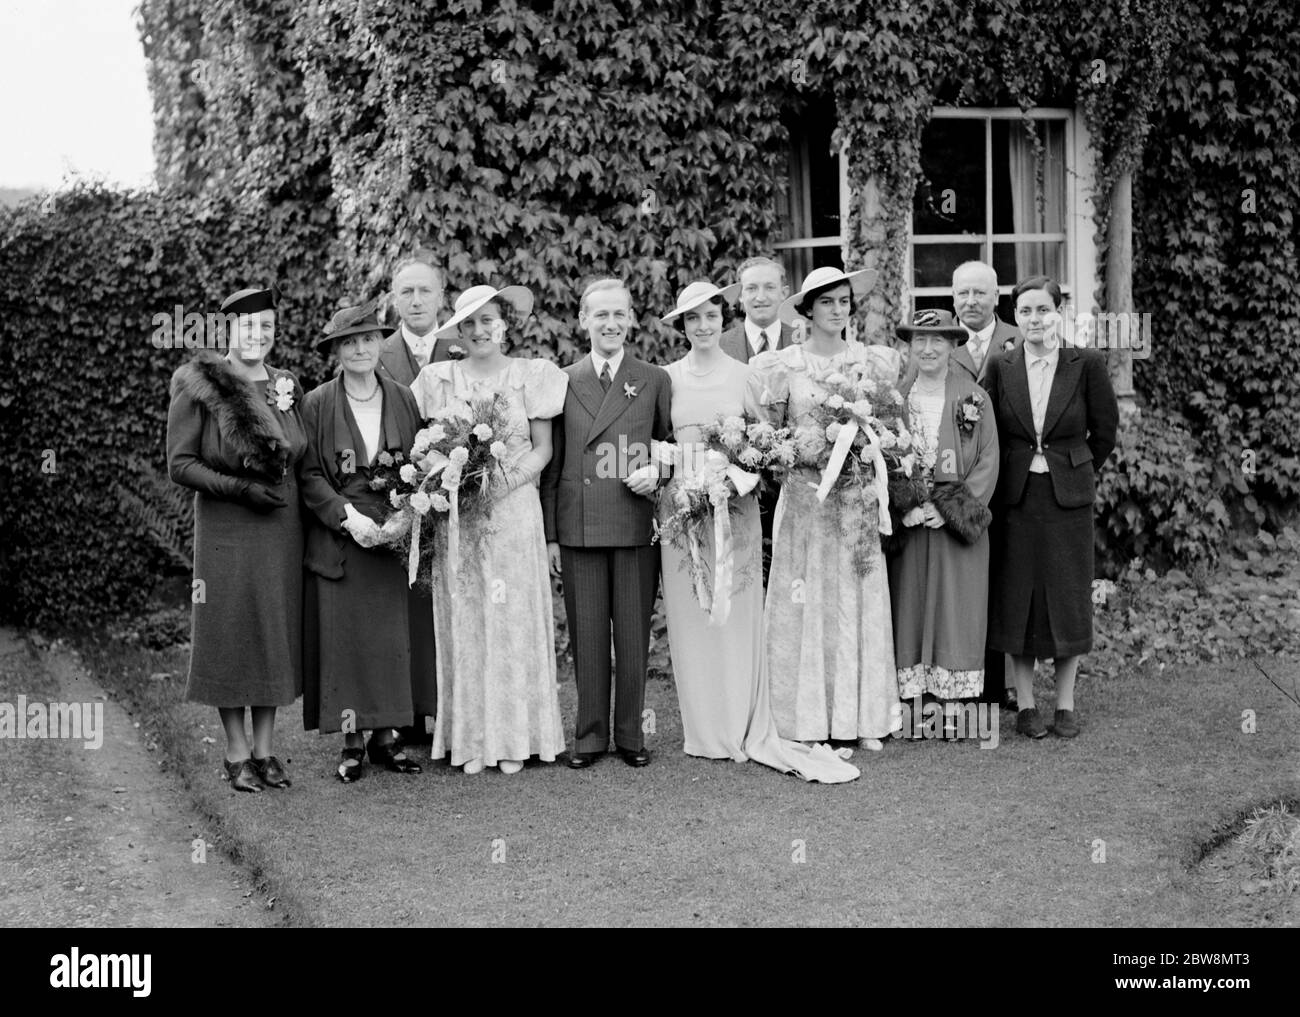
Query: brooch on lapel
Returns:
{"type": "Point", "coordinates": [281, 395]}
{"type": "Point", "coordinates": [456, 352]}
{"type": "Point", "coordinates": [629, 390]}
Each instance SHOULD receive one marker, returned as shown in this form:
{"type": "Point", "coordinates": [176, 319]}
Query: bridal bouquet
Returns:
{"type": "Point", "coordinates": [855, 436]}
{"type": "Point", "coordinates": [447, 473]}
{"type": "Point", "coordinates": [722, 466]}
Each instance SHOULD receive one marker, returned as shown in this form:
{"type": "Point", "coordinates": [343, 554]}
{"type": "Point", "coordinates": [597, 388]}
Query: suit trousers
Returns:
{"type": "Point", "coordinates": [604, 587]}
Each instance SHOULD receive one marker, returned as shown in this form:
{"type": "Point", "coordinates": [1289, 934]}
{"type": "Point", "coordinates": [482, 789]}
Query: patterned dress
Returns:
{"type": "Point", "coordinates": [493, 623]}
{"type": "Point", "coordinates": [828, 636]}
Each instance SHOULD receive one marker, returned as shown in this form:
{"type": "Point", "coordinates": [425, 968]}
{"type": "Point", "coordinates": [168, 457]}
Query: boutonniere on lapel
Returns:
{"type": "Point", "coordinates": [629, 390]}
{"type": "Point", "coordinates": [281, 394]}
{"type": "Point", "coordinates": [969, 411]}
{"type": "Point", "coordinates": [1008, 345]}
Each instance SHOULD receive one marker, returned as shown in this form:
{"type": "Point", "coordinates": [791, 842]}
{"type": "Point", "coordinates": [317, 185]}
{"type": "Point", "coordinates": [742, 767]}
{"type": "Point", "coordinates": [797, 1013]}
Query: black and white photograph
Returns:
{"type": "Point", "coordinates": [559, 464]}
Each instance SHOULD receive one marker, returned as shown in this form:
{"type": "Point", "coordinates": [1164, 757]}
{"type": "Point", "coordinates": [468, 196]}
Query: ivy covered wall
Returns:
{"type": "Point", "coordinates": [545, 142]}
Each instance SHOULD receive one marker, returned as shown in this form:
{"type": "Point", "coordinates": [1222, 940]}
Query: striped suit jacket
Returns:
{"type": "Point", "coordinates": [398, 363]}
{"type": "Point", "coordinates": [598, 439]}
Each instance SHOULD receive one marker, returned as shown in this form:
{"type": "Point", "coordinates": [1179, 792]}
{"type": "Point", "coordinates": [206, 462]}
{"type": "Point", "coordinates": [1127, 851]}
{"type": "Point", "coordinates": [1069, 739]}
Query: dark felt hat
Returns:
{"type": "Point", "coordinates": [353, 321]}
{"type": "Point", "coordinates": [934, 322]}
{"type": "Point", "coordinates": [251, 301]}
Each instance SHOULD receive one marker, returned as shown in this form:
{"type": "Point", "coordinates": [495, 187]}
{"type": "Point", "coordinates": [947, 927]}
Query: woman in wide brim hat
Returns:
{"type": "Point", "coordinates": [494, 627]}
{"type": "Point", "coordinates": [717, 648]}
{"type": "Point", "coordinates": [798, 307]}
{"type": "Point", "coordinates": [938, 573]}
{"type": "Point", "coordinates": [368, 650]}
{"type": "Point", "coordinates": [234, 436]}
{"type": "Point", "coordinates": [829, 647]}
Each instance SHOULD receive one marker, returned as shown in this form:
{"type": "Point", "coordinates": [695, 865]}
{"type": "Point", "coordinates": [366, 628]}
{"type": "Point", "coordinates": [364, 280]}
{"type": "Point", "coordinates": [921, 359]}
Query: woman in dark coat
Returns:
{"type": "Point", "coordinates": [938, 579]}
{"type": "Point", "coordinates": [1057, 416]}
{"type": "Point", "coordinates": [363, 642]}
{"type": "Point", "coordinates": [234, 435]}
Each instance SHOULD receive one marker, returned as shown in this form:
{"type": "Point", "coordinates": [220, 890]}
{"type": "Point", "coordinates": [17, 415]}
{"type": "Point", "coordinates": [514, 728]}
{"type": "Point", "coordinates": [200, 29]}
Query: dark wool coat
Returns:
{"type": "Point", "coordinates": [939, 578]}
{"type": "Point", "coordinates": [223, 431]}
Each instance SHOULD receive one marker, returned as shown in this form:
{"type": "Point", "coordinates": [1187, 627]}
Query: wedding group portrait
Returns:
{"type": "Point", "coordinates": [654, 464]}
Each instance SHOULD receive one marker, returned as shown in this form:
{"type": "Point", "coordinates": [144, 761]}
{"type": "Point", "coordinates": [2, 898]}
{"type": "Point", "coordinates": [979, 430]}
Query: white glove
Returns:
{"type": "Point", "coordinates": [362, 528]}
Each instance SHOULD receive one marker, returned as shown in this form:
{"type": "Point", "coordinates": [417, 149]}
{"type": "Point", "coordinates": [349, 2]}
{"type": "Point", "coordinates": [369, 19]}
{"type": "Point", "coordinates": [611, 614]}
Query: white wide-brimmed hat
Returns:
{"type": "Point", "coordinates": [860, 281]}
{"type": "Point", "coordinates": [518, 297]}
{"type": "Point", "coordinates": [701, 292]}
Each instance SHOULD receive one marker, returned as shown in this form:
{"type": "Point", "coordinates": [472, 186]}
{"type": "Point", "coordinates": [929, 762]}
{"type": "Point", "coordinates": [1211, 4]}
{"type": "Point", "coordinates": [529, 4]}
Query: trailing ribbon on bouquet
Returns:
{"type": "Point", "coordinates": [451, 484]}
{"type": "Point", "coordinates": [440, 462]}
{"type": "Point", "coordinates": [840, 451]}
{"type": "Point", "coordinates": [722, 565]}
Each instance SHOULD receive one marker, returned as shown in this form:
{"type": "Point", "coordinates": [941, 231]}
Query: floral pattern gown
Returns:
{"type": "Point", "coordinates": [493, 622]}
{"type": "Point", "coordinates": [828, 633]}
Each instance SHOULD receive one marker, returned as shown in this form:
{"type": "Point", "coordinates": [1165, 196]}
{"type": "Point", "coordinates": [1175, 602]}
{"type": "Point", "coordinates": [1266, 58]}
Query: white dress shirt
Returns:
{"type": "Point", "coordinates": [1041, 371]}
{"type": "Point", "coordinates": [599, 362]}
{"type": "Point", "coordinates": [421, 346]}
{"type": "Point", "coordinates": [978, 347]}
{"type": "Point", "coordinates": [752, 332]}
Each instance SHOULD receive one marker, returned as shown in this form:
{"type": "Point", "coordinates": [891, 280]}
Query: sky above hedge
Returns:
{"type": "Point", "coordinates": [76, 97]}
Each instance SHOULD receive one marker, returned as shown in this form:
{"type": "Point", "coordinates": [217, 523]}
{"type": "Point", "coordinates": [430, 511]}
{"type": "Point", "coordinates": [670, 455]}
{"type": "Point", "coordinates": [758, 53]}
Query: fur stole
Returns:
{"type": "Point", "coordinates": [247, 427]}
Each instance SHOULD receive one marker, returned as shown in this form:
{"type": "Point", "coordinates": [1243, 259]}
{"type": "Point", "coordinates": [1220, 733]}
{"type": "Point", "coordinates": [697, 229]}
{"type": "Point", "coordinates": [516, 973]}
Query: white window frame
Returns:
{"type": "Point", "coordinates": [1080, 249]}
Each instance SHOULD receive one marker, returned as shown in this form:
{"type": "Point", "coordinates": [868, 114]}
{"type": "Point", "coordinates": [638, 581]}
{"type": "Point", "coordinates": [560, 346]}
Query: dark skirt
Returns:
{"type": "Point", "coordinates": [246, 633]}
{"type": "Point", "coordinates": [359, 659]}
{"type": "Point", "coordinates": [1041, 601]}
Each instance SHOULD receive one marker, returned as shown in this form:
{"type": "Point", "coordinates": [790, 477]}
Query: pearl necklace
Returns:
{"type": "Point", "coordinates": [362, 399]}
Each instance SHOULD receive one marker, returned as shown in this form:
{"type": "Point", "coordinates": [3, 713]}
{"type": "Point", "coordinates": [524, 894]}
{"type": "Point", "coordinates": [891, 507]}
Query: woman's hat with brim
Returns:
{"type": "Point", "coordinates": [358, 320]}
{"type": "Point", "coordinates": [251, 301]}
{"type": "Point", "coordinates": [469, 302]}
{"type": "Point", "coordinates": [701, 292]}
{"type": "Point", "coordinates": [932, 321]}
{"type": "Point", "coordinates": [860, 282]}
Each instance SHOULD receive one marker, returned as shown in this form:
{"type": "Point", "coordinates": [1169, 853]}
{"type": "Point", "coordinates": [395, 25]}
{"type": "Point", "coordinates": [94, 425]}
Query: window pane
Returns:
{"type": "Point", "coordinates": [932, 264]}
{"type": "Point", "coordinates": [1014, 262]}
{"type": "Point", "coordinates": [950, 193]}
{"type": "Point", "coordinates": [808, 201]}
{"type": "Point", "coordinates": [1025, 201]}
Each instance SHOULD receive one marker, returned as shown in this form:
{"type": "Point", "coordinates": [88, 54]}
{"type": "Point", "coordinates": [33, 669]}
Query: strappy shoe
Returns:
{"type": "Point", "coordinates": [350, 769]}
{"type": "Point", "coordinates": [242, 776]}
{"type": "Point", "coordinates": [390, 756]}
{"type": "Point", "coordinates": [270, 771]}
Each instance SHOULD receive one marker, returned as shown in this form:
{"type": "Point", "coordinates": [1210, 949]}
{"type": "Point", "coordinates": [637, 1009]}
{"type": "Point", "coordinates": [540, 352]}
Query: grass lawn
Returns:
{"type": "Point", "coordinates": [932, 834]}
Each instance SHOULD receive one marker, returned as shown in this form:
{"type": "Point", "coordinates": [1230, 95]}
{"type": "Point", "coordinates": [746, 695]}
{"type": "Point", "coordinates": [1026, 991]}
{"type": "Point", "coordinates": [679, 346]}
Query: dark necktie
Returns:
{"type": "Point", "coordinates": [605, 379]}
{"type": "Point", "coordinates": [761, 345]}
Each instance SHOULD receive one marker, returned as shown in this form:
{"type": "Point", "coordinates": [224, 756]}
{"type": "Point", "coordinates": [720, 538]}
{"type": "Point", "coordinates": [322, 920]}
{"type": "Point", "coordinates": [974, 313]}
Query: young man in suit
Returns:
{"type": "Point", "coordinates": [417, 296]}
{"type": "Point", "coordinates": [762, 288]}
{"type": "Point", "coordinates": [597, 515]}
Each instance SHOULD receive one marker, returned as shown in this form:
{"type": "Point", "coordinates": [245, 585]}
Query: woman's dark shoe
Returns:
{"type": "Point", "coordinates": [1009, 701]}
{"type": "Point", "coordinates": [1030, 724]}
{"type": "Point", "coordinates": [390, 756]}
{"type": "Point", "coordinates": [350, 769]}
{"type": "Point", "coordinates": [1065, 725]}
{"type": "Point", "coordinates": [270, 771]}
{"type": "Point", "coordinates": [242, 776]}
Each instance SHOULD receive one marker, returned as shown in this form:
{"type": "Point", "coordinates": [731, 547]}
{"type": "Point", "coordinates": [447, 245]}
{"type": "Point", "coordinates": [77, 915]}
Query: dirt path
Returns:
{"type": "Point", "coordinates": [95, 837]}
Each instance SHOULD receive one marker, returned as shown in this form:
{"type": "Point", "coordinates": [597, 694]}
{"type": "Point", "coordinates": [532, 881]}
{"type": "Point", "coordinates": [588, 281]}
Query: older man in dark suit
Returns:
{"type": "Point", "coordinates": [974, 300]}
{"type": "Point", "coordinates": [597, 514]}
{"type": "Point", "coordinates": [417, 296]}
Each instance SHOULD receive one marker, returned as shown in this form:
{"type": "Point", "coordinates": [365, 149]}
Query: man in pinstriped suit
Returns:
{"type": "Point", "coordinates": [598, 519]}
